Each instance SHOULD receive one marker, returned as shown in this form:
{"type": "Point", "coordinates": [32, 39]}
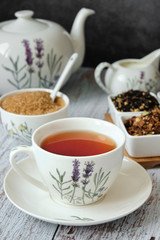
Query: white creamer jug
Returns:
{"type": "Point", "coordinates": [137, 74]}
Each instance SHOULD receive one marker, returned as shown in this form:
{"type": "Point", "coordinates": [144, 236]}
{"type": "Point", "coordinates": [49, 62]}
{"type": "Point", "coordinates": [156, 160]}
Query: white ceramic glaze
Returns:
{"type": "Point", "coordinates": [74, 180]}
{"type": "Point", "coordinates": [22, 126]}
{"type": "Point", "coordinates": [140, 146]}
{"type": "Point", "coordinates": [115, 114]}
{"type": "Point", "coordinates": [128, 74]}
{"type": "Point", "coordinates": [33, 52]}
{"type": "Point", "coordinates": [158, 96]}
{"type": "Point", "coordinates": [130, 190]}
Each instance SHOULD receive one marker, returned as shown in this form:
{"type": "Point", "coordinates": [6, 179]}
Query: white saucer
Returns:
{"type": "Point", "coordinates": [131, 189]}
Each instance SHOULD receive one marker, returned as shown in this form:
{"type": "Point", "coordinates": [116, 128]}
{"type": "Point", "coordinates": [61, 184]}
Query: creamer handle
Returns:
{"type": "Point", "coordinates": [158, 96]}
{"type": "Point", "coordinates": [29, 151]}
{"type": "Point", "coordinates": [97, 75]}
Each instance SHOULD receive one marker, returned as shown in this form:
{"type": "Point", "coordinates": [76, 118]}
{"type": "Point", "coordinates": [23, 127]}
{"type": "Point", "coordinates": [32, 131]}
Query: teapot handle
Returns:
{"type": "Point", "coordinates": [97, 75]}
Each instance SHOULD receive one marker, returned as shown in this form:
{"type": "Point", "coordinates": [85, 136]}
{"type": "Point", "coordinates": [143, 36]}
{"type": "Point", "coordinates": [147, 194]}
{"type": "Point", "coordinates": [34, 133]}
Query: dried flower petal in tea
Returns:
{"type": "Point", "coordinates": [147, 123]}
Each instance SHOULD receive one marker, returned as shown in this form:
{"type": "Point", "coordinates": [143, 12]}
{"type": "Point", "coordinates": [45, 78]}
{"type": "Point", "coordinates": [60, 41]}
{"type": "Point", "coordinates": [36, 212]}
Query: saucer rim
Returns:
{"type": "Point", "coordinates": [76, 222]}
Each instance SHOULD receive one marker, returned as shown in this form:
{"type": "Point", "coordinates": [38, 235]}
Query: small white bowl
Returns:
{"type": "Point", "coordinates": [22, 126]}
{"type": "Point", "coordinates": [115, 114]}
{"type": "Point", "coordinates": [140, 146]}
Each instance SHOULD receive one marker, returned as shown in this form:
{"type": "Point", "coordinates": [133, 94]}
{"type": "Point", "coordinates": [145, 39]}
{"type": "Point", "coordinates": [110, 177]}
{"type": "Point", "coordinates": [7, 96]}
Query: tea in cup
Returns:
{"type": "Point", "coordinates": [77, 158]}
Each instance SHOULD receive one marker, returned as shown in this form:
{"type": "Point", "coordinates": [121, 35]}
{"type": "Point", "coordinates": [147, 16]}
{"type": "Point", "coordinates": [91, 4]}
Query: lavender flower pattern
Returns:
{"type": "Point", "coordinates": [29, 60]}
{"type": "Point", "coordinates": [40, 49]}
{"type": "Point", "coordinates": [39, 55]}
{"type": "Point", "coordinates": [75, 177]}
{"type": "Point", "coordinates": [141, 83]}
{"type": "Point", "coordinates": [87, 172]}
{"type": "Point", "coordinates": [67, 188]}
{"type": "Point", "coordinates": [142, 74]}
{"type": "Point", "coordinates": [36, 61]}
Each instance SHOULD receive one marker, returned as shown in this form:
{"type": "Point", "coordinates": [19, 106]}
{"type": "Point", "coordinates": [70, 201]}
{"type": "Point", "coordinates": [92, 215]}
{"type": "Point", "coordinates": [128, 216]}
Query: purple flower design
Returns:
{"type": "Point", "coordinates": [39, 52]}
{"type": "Point", "coordinates": [142, 75]}
{"type": "Point", "coordinates": [39, 48]}
{"type": "Point", "coordinates": [75, 174]}
{"type": "Point", "coordinates": [39, 64]}
{"type": "Point", "coordinates": [29, 58]}
{"type": "Point", "coordinates": [30, 70]}
{"type": "Point", "coordinates": [85, 181]}
{"type": "Point", "coordinates": [87, 172]}
{"type": "Point", "coordinates": [75, 177]}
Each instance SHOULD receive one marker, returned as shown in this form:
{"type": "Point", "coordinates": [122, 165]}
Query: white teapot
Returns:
{"type": "Point", "coordinates": [34, 52]}
{"type": "Point", "coordinates": [137, 74]}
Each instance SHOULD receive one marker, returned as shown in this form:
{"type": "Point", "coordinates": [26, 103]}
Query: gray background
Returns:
{"type": "Point", "coordinates": [119, 29]}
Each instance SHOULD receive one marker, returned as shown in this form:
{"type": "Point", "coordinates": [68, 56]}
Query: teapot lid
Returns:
{"type": "Point", "coordinates": [24, 23]}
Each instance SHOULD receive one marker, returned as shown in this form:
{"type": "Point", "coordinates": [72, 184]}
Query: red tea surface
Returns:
{"type": "Point", "coordinates": [78, 143]}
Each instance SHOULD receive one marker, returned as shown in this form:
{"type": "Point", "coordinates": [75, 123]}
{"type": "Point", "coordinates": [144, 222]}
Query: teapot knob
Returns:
{"type": "Point", "coordinates": [24, 14]}
{"type": "Point", "coordinates": [24, 23]}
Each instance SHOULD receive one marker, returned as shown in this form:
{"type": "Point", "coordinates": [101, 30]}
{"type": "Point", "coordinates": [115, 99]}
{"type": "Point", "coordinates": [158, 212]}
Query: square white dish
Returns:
{"type": "Point", "coordinates": [115, 114]}
{"type": "Point", "coordinates": [140, 146]}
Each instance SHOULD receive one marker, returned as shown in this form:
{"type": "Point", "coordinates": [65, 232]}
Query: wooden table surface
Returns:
{"type": "Point", "coordinates": [87, 100]}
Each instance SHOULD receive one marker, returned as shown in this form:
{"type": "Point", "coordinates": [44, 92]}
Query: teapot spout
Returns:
{"type": "Point", "coordinates": [77, 35]}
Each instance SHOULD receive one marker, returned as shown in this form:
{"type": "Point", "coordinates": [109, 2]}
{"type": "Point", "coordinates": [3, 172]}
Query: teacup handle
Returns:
{"type": "Point", "coordinates": [29, 151]}
{"type": "Point", "coordinates": [97, 75]}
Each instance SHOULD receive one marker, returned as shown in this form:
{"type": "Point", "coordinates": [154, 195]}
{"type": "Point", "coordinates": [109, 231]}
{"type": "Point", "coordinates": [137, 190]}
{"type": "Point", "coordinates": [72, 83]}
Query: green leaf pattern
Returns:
{"type": "Point", "coordinates": [22, 131]}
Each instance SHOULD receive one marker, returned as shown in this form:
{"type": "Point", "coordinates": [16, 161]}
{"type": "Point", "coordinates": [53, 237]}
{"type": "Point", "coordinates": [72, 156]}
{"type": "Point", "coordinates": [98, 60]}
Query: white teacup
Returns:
{"type": "Point", "coordinates": [96, 173]}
